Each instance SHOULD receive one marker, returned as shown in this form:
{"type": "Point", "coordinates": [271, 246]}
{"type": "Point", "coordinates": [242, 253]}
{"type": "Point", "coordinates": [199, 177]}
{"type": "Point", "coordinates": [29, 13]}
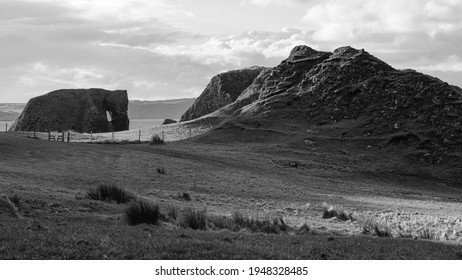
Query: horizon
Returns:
{"type": "Point", "coordinates": [159, 50]}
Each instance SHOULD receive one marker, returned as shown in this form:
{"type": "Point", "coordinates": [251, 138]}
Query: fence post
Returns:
{"type": "Point", "coordinates": [112, 136]}
{"type": "Point", "coordinates": [91, 136]}
{"type": "Point", "coordinates": [49, 135]}
{"type": "Point", "coordinates": [64, 140]}
{"type": "Point", "coordinates": [6, 128]}
{"type": "Point", "coordinates": [139, 136]}
{"type": "Point", "coordinates": [68, 136]}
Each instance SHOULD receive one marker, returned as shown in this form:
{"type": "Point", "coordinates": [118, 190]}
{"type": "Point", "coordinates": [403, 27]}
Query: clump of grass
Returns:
{"type": "Point", "coordinates": [160, 170]}
{"type": "Point", "coordinates": [110, 193]}
{"type": "Point", "coordinates": [184, 196]}
{"type": "Point", "coordinates": [220, 222]}
{"type": "Point", "coordinates": [172, 213]}
{"type": "Point", "coordinates": [194, 219]}
{"type": "Point", "coordinates": [337, 211]}
{"type": "Point", "coordinates": [156, 140]}
{"type": "Point", "coordinates": [15, 199]}
{"type": "Point", "coordinates": [375, 228]}
{"type": "Point", "coordinates": [142, 211]}
{"type": "Point", "coordinates": [267, 224]}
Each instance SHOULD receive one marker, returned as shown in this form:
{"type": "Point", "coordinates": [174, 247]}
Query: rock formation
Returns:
{"type": "Point", "coordinates": [80, 110]}
{"type": "Point", "coordinates": [222, 90]}
{"type": "Point", "coordinates": [351, 86]}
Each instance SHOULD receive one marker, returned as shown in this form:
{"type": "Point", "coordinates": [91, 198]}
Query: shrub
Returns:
{"type": "Point", "coordinates": [110, 193]}
{"type": "Point", "coordinates": [337, 211]}
{"type": "Point", "coordinates": [141, 211]}
{"type": "Point", "coordinates": [194, 219]}
{"type": "Point", "coordinates": [160, 170]}
{"type": "Point", "coordinates": [156, 140]}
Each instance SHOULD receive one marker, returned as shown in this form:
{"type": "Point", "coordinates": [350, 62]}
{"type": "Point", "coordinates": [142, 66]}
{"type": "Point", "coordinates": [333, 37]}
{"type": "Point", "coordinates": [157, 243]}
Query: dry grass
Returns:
{"type": "Point", "coordinates": [416, 226]}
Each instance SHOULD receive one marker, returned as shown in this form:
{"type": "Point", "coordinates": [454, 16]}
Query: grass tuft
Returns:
{"type": "Point", "coordinates": [184, 196]}
{"type": "Point", "coordinates": [160, 170]}
{"type": "Point", "coordinates": [337, 211]}
{"type": "Point", "coordinates": [274, 225]}
{"type": "Point", "coordinates": [194, 219]}
{"type": "Point", "coordinates": [156, 140]}
{"type": "Point", "coordinates": [142, 212]}
{"type": "Point", "coordinates": [15, 199]}
{"type": "Point", "coordinates": [110, 193]}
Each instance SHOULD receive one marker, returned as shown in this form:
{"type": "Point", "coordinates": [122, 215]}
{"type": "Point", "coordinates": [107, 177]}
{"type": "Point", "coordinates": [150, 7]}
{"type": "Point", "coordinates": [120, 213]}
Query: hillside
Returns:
{"type": "Point", "coordinates": [348, 94]}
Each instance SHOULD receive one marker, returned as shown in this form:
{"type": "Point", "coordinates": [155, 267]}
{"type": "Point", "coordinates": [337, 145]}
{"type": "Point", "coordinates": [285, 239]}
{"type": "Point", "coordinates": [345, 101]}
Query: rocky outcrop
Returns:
{"type": "Point", "coordinates": [314, 88]}
{"type": "Point", "coordinates": [80, 110]}
{"type": "Point", "coordinates": [168, 121]}
{"type": "Point", "coordinates": [222, 90]}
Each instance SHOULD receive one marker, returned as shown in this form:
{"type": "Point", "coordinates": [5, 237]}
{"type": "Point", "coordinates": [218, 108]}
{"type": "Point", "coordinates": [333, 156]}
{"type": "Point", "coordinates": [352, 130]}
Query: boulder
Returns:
{"type": "Point", "coordinates": [80, 110]}
{"type": "Point", "coordinates": [168, 121]}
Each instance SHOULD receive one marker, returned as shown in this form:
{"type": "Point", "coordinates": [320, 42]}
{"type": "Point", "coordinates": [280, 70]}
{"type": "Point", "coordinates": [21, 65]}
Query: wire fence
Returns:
{"type": "Point", "coordinates": [168, 133]}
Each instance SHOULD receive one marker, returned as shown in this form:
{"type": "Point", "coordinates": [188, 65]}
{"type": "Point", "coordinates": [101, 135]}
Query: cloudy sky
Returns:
{"type": "Point", "coordinates": [159, 49]}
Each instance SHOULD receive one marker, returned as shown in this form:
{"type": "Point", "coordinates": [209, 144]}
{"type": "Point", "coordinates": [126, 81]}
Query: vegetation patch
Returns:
{"type": "Point", "coordinates": [415, 226]}
{"type": "Point", "coordinates": [110, 193]}
{"type": "Point", "coordinates": [194, 219]}
{"type": "Point", "coordinates": [160, 170]}
{"type": "Point", "coordinates": [268, 224]}
{"type": "Point", "coordinates": [184, 196]}
{"type": "Point", "coordinates": [156, 140]}
{"type": "Point", "coordinates": [331, 211]}
{"type": "Point", "coordinates": [142, 212]}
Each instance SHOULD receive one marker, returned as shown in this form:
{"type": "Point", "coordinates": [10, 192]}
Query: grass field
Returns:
{"type": "Point", "coordinates": [53, 217]}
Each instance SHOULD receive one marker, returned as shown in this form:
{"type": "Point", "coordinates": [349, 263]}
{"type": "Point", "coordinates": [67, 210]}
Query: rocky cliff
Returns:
{"type": "Point", "coordinates": [81, 110]}
{"type": "Point", "coordinates": [222, 90]}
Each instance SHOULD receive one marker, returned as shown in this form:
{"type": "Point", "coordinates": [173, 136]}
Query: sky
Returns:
{"type": "Point", "coordinates": [157, 49]}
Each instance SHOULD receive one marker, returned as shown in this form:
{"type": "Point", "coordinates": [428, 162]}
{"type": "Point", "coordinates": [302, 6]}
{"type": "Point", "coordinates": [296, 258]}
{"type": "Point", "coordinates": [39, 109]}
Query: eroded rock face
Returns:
{"type": "Point", "coordinates": [80, 110]}
{"type": "Point", "coordinates": [222, 90]}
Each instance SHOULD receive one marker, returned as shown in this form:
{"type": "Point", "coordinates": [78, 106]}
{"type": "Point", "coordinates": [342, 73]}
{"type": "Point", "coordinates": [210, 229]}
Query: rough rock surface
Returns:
{"type": "Point", "coordinates": [222, 90]}
{"type": "Point", "coordinates": [351, 86]}
{"type": "Point", "coordinates": [80, 110]}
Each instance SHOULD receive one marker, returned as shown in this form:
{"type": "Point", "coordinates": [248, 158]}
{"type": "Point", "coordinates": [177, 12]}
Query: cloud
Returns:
{"type": "Point", "coordinates": [264, 3]}
{"type": "Point", "coordinates": [242, 49]}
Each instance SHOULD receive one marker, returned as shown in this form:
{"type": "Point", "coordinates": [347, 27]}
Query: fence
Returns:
{"type": "Point", "coordinates": [167, 133]}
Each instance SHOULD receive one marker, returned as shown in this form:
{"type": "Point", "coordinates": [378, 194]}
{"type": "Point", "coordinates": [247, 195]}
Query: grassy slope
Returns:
{"type": "Point", "coordinates": [51, 179]}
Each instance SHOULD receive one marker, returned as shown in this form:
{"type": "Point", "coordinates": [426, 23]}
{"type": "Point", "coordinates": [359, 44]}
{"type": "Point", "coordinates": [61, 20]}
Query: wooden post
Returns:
{"type": "Point", "coordinates": [6, 127]}
{"type": "Point", "coordinates": [64, 140]}
{"type": "Point", "coordinates": [49, 135]}
{"type": "Point", "coordinates": [68, 136]}
{"type": "Point", "coordinates": [112, 136]}
{"type": "Point", "coordinates": [91, 136]}
{"type": "Point", "coordinates": [139, 136]}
